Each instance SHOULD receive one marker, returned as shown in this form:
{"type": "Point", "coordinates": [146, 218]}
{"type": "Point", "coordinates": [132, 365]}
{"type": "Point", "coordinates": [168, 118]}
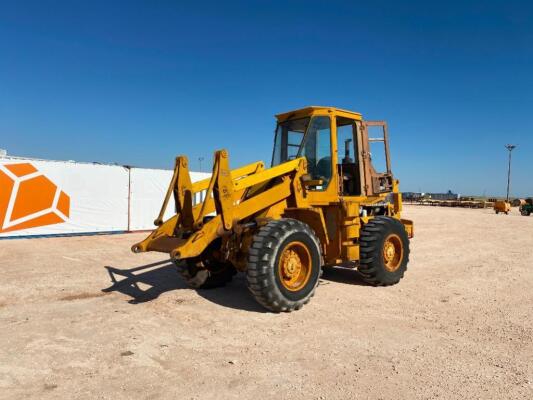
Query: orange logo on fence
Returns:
{"type": "Point", "coordinates": [29, 199]}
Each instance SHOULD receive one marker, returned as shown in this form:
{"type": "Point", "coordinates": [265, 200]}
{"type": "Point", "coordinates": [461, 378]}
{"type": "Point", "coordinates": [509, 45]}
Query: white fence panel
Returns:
{"type": "Point", "coordinates": [147, 191]}
{"type": "Point", "coordinates": [39, 197]}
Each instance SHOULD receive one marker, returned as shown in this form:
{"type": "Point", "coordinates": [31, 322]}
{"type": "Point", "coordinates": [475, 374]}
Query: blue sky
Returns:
{"type": "Point", "coordinates": [139, 82]}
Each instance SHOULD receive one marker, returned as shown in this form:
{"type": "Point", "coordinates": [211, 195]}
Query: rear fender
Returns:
{"type": "Point", "coordinates": [409, 227]}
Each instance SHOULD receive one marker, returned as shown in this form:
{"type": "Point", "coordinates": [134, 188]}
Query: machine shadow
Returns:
{"type": "Point", "coordinates": [234, 295]}
{"type": "Point", "coordinates": [343, 275]}
{"type": "Point", "coordinates": [166, 278]}
{"type": "Point", "coordinates": [160, 280]}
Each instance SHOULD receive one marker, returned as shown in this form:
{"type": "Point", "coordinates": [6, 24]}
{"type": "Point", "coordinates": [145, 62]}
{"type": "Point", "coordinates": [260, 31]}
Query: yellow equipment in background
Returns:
{"type": "Point", "coordinates": [320, 204]}
{"type": "Point", "coordinates": [502, 206]}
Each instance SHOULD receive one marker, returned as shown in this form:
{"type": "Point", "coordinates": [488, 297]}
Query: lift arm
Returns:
{"type": "Point", "coordinates": [228, 193]}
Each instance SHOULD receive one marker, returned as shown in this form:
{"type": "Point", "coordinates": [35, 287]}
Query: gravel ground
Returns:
{"type": "Point", "coordinates": [84, 318]}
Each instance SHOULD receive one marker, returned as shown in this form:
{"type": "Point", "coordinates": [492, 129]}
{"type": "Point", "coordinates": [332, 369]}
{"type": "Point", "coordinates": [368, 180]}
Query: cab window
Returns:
{"type": "Point", "coordinates": [289, 135]}
{"type": "Point", "coordinates": [347, 157]}
{"type": "Point", "coordinates": [316, 148]}
{"type": "Point", "coordinates": [309, 138]}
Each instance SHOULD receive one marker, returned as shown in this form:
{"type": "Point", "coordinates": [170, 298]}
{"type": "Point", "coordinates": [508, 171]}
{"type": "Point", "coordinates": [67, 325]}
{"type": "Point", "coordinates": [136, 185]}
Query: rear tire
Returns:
{"type": "Point", "coordinates": [384, 250]}
{"type": "Point", "coordinates": [284, 265]}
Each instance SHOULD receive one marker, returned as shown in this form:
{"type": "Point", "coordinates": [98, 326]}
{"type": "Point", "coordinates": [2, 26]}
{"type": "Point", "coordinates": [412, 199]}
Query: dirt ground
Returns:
{"type": "Point", "coordinates": [84, 318]}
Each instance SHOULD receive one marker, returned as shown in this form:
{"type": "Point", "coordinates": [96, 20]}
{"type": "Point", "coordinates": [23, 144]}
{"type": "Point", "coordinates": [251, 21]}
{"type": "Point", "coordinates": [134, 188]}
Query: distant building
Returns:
{"type": "Point", "coordinates": [412, 196]}
{"type": "Point", "coordinates": [415, 196]}
{"type": "Point", "coordinates": [444, 196]}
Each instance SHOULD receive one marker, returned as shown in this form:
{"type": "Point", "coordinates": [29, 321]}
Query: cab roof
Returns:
{"type": "Point", "coordinates": [306, 111]}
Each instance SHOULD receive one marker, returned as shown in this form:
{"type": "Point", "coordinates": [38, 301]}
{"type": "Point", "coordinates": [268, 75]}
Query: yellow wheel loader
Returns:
{"type": "Point", "coordinates": [502, 206]}
{"type": "Point", "coordinates": [323, 202]}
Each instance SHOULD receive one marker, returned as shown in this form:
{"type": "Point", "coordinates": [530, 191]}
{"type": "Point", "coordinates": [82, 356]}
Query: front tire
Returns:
{"type": "Point", "coordinates": [284, 265]}
{"type": "Point", "coordinates": [384, 248]}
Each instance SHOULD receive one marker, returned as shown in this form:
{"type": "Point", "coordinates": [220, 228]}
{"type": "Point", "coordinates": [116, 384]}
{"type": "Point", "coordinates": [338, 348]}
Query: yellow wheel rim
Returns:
{"type": "Point", "coordinates": [392, 252]}
{"type": "Point", "coordinates": [294, 267]}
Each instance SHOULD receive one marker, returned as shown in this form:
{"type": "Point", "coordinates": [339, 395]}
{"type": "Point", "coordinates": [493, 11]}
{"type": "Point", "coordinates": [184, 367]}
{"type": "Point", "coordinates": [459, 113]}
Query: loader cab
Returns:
{"type": "Point", "coordinates": [343, 160]}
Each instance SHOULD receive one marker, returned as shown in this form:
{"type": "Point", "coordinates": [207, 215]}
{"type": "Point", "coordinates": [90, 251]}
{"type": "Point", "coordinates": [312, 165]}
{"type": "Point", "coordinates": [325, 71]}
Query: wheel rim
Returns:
{"type": "Point", "coordinates": [294, 266]}
{"type": "Point", "coordinates": [392, 252]}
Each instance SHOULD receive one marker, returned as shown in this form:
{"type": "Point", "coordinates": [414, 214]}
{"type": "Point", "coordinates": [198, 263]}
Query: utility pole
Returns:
{"type": "Point", "coordinates": [509, 147]}
{"type": "Point", "coordinates": [200, 159]}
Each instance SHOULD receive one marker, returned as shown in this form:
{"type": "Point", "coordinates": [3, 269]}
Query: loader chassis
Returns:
{"type": "Point", "coordinates": [321, 203]}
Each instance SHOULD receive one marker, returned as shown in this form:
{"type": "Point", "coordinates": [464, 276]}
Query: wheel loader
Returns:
{"type": "Point", "coordinates": [502, 206]}
{"type": "Point", "coordinates": [322, 203]}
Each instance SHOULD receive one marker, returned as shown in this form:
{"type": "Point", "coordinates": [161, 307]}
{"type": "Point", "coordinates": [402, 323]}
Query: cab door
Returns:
{"type": "Point", "coordinates": [321, 185]}
{"type": "Point", "coordinates": [349, 166]}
